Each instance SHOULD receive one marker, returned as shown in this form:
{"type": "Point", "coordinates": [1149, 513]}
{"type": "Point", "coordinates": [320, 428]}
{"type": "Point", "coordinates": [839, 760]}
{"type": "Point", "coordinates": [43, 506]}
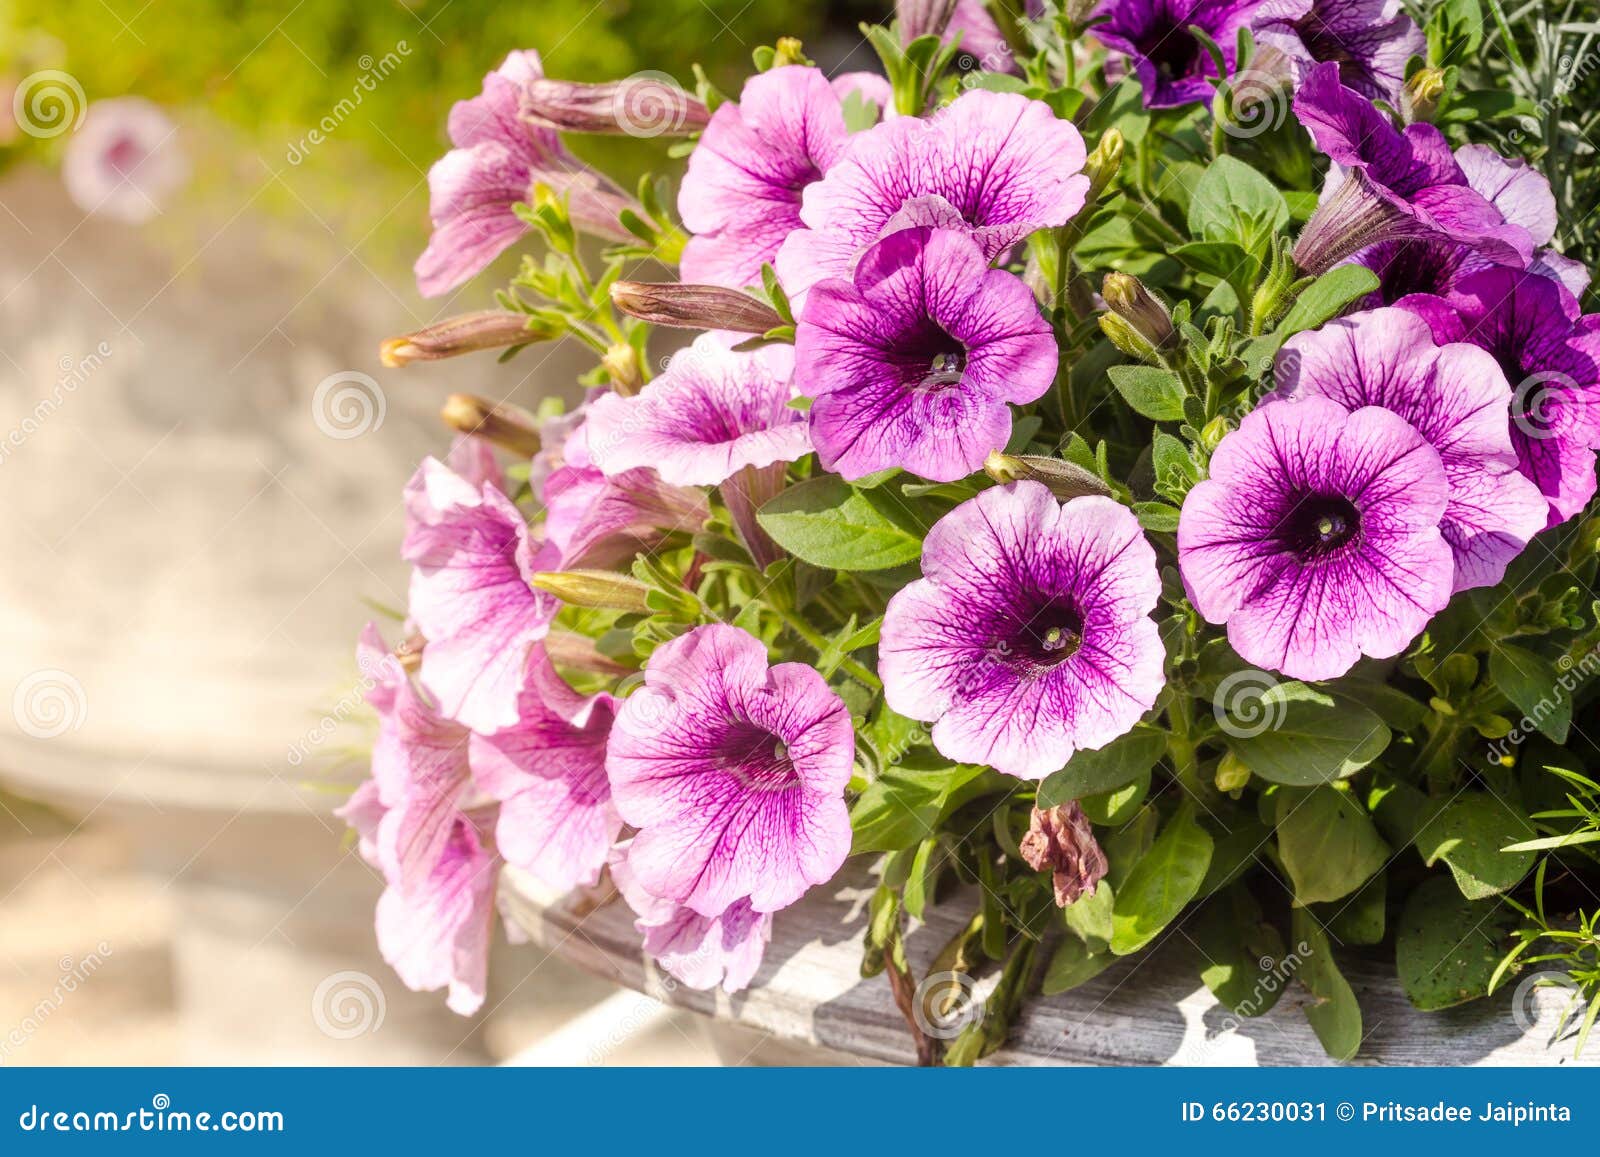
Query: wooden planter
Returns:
{"type": "Point", "coordinates": [809, 1004]}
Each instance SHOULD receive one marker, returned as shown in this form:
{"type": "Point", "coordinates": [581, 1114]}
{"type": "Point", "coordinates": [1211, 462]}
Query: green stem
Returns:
{"type": "Point", "coordinates": [818, 644]}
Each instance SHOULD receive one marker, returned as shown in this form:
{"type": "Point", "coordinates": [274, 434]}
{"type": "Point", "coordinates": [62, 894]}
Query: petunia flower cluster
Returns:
{"type": "Point", "coordinates": [612, 673]}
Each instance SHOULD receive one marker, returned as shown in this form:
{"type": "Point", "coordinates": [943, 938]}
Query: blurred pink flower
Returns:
{"type": "Point", "coordinates": [124, 161]}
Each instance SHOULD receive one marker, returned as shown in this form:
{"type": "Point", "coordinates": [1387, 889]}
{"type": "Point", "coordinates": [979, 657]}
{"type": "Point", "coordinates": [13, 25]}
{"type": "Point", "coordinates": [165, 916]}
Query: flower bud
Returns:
{"type": "Point", "coordinates": [1232, 774]}
{"type": "Point", "coordinates": [1144, 313]}
{"type": "Point", "coordinates": [485, 330]}
{"type": "Point", "coordinates": [1419, 100]}
{"type": "Point", "coordinates": [1215, 431]}
{"type": "Point", "coordinates": [507, 426]}
{"type": "Point", "coordinates": [621, 361]}
{"type": "Point", "coordinates": [638, 106]}
{"type": "Point", "coordinates": [789, 50]}
{"type": "Point", "coordinates": [694, 306]}
{"type": "Point", "coordinates": [1102, 165]}
{"type": "Point", "coordinates": [923, 18]}
{"type": "Point", "coordinates": [1066, 480]}
{"type": "Point", "coordinates": [601, 589]}
{"type": "Point", "coordinates": [1061, 840]}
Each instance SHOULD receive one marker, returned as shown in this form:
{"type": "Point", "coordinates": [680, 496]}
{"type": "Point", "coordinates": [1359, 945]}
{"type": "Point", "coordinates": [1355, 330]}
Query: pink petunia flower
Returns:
{"type": "Point", "coordinates": [124, 161]}
{"type": "Point", "coordinates": [733, 772]}
{"type": "Point", "coordinates": [471, 595]}
{"type": "Point", "coordinates": [1029, 635]}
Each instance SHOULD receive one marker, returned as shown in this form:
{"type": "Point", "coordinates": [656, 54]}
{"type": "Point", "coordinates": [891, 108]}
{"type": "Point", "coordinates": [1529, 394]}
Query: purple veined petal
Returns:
{"type": "Point", "coordinates": [1316, 538]}
{"type": "Point", "coordinates": [741, 194]}
{"type": "Point", "coordinates": [1370, 40]}
{"type": "Point", "coordinates": [1518, 190]}
{"type": "Point", "coordinates": [912, 363]}
{"type": "Point", "coordinates": [1172, 65]}
{"type": "Point", "coordinates": [1001, 160]}
{"type": "Point", "coordinates": [548, 771]}
{"type": "Point", "coordinates": [470, 594]}
{"type": "Point", "coordinates": [712, 413]}
{"type": "Point", "coordinates": [1457, 398]}
{"type": "Point", "coordinates": [734, 774]}
{"type": "Point", "coordinates": [701, 951]}
{"type": "Point", "coordinates": [1029, 636]}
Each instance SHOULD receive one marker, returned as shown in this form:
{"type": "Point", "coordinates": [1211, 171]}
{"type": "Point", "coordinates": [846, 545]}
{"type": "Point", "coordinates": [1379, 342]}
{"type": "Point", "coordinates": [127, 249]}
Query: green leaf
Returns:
{"type": "Point", "coordinates": [1157, 517]}
{"type": "Point", "coordinates": [1154, 392]}
{"type": "Point", "coordinates": [1328, 843]}
{"type": "Point", "coordinates": [829, 523]}
{"type": "Point", "coordinates": [1300, 736]}
{"type": "Point", "coordinates": [1129, 844]}
{"type": "Point", "coordinates": [1336, 1015]}
{"type": "Point", "coordinates": [918, 882]}
{"type": "Point", "coordinates": [1072, 965]}
{"type": "Point", "coordinates": [1115, 808]}
{"type": "Point", "coordinates": [1360, 919]}
{"type": "Point", "coordinates": [1089, 917]}
{"type": "Point", "coordinates": [902, 806]}
{"type": "Point", "coordinates": [1115, 765]}
{"type": "Point", "coordinates": [1447, 947]}
{"type": "Point", "coordinates": [1245, 966]}
{"type": "Point", "coordinates": [1164, 880]}
{"type": "Point", "coordinates": [1534, 685]}
{"type": "Point", "coordinates": [1327, 297]}
{"type": "Point", "coordinates": [1220, 259]}
{"type": "Point", "coordinates": [1234, 202]}
{"type": "Point", "coordinates": [1234, 852]}
{"type": "Point", "coordinates": [1470, 834]}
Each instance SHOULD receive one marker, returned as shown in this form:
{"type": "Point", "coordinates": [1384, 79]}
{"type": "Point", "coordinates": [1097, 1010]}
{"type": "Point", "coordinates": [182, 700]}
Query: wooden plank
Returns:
{"type": "Point", "coordinates": [1148, 1010]}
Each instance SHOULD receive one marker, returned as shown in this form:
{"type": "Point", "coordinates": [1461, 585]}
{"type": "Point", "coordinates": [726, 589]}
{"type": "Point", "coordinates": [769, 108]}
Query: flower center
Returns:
{"type": "Point", "coordinates": [1175, 53]}
{"type": "Point", "coordinates": [756, 757]}
{"type": "Point", "coordinates": [1321, 525]}
{"type": "Point", "coordinates": [1048, 639]}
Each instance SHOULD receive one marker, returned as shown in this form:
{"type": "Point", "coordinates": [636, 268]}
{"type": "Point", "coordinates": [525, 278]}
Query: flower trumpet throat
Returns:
{"type": "Point", "coordinates": [509, 427]}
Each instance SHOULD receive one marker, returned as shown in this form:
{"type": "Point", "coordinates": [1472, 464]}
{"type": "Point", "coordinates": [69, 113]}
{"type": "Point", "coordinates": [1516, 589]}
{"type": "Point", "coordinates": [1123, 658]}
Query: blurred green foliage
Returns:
{"type": "Point", "coordinates": [274, 70]}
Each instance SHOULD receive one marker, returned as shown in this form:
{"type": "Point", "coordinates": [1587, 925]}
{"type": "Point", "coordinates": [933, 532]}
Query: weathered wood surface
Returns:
{"type": "Point", "coordinates": [1151, 1010]}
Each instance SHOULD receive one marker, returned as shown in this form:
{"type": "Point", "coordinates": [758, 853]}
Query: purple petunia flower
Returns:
{"type": "Point", "coordinates": [741, 194]}
{"type": "Point", "coordinates": [702, 951]}
{"type": "Point", "coordinates": [999, 164]}
{"type": "Point", "coordinates": [1029, 635]}
{"type": "Point", "coordinates": [434, 934]}
{"type": "Point", "coordinates": [912, 363]}
{"type": "Point", "coordinates": [1316, 538]}
{"type": "Point", "coordinates": [1551, 357]}
{"type": "Point", "coordinates": [1370, 40]}
{"type": "Point", "coordinates": [1457, 398]}
{"type": "Point", "coordinates": [733, 773]}
{"type": "Point", "coordinates": [1389, 184]}
{"type": "Point", "coordinates": [497, 160]}
{"type": "Point", "coordinates": [1172, 65]}
{"type": "Point", "coordinates": [548, 770]}
{"type": "Point", "coordinates": [124, 161]}
{"type": "Point", "coordinates": [711, 414]}
{"type": "Point", "coordinates": [596, 521]}
{"type": "Point", "coordinates": [434, 916]}
{"type": "Point", "coordinates": [470, 594]}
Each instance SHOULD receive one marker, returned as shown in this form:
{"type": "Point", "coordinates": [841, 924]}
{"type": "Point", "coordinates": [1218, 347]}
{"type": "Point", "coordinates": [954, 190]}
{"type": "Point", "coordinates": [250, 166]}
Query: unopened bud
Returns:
{"type": "Point", "coordinates": [1127, 339]}
{"type": "Point", "coordinates": [1232, 774]}
{"type": "Point", "coordinates": [1060, 839]}
{"type": "Point", "coordinates": [621, 361]}
{"type": "Point", "coordinates": [789, 51]}
{"type": "Point", "coordinates": [1419, 100]}
{"type": "Point", "coordinates": [1066, 480]}
{"type": "Point", "coordinates": [694, 306]}
{"type": "Point", "coordinates": [1215, 431]}
{"type": "Point", "coordinates": [639, 106]}
{"type": "Point", "coordinates": [923, 18]}
{"type": "Point", "coordinates": [507, 426]}
{"type": "Point", "coordinates": [601, 589]}
{"type": "Point", "coordinates": [485, 330]}
{"type": "Point", "coordinates": [567, 649]}
{"type": "Point", "coordinates": [1102, 166]}
{"type": "Point", "coordinates": [1127, 297]}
